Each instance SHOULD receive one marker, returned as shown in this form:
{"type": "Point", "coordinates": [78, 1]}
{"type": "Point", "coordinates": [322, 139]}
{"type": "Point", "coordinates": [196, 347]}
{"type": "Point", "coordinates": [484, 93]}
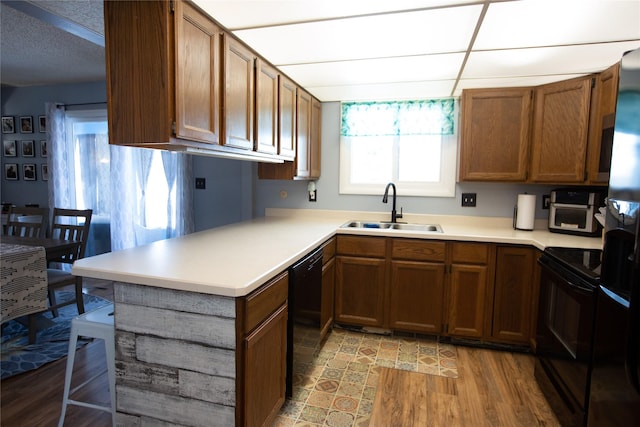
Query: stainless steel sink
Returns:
{"type": "Point", "coordinates": [431, 228]}
{"type": "Point", "coordinates": [367, 224]}
{"type": "Point", "coordinates": [434, 228]}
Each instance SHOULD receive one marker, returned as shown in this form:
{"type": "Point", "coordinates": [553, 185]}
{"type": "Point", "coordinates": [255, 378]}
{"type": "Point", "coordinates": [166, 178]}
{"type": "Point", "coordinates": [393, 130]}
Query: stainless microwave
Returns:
{"type": "Point", "coordinates": [573, 211]}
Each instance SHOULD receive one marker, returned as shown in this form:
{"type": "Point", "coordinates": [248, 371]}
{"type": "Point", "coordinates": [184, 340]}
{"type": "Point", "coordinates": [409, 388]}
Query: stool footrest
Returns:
{"type": "Point", "coordinates": [89, 405]}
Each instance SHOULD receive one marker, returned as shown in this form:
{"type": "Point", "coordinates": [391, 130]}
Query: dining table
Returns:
{"type": "Point", "coordinates": [23, 277]}
{"type": "Point", "coordinates": [55, 249]}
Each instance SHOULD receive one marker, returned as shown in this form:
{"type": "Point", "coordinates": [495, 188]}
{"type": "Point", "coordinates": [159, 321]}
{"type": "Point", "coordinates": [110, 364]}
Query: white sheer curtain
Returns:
{"type": "Point", "coordinates": [136, 218]}
{"type": "Point", "coordinates": [59, 159]}
{"type": "Point", "coordinates": [144, 208]}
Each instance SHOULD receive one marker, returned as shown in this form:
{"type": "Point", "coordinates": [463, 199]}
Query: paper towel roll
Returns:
{"type": "Point", "coordinates": [526, 211]}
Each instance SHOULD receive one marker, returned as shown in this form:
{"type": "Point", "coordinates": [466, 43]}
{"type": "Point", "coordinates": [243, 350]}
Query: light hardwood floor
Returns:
{"type": "Point", "coordinates": [493, 388]}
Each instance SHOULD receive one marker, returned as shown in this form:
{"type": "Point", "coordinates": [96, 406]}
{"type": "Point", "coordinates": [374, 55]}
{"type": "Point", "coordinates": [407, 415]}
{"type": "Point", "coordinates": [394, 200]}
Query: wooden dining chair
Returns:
{"type": "Point", "coordinates": [68, 224]}
{"type": "Point", "coordinates": [27, 221]}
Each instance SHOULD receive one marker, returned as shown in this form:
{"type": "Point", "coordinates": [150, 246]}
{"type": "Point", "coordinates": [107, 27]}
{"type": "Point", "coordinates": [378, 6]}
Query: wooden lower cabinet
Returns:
{"type": "Point", "coordinates": [262, 352]}
{"type": "Point", "coordinates": [470, 280]}
{"type": "Point", "coordinates": [513, 295]}
{"type": "Point", "coordinates": [416, 285]}
{"type": "Point", "coordinates": [469, 290]}
{"type": "Point", "coordinates": [416, 296]}
{"type": "Point", "coordinates": [265, 352]}
{"type": "Point", "coordinates": [360, 289]}
{"type": "Point", "coordinates": [467, 296]}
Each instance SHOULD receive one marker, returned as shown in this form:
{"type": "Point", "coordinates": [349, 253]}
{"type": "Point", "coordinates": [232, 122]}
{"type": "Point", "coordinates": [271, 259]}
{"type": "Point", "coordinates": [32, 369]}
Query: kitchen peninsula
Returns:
{"type": "Point", "coordinates": [201, 319]}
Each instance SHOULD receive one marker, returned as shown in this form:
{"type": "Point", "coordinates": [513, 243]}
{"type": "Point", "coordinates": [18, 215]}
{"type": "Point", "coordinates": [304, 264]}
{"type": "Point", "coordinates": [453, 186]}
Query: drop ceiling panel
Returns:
{"type": "Point", "coordinates": [414, 33]}
{"type": "Point", "coordinates": [238, 14]}
{"type": "Point", "coordinates": [378, 92]}
{"type": "Point", "coordinates": [530, 23]}
{"type": "Point", "coordinates": [579, 59]}
{"type": "Point", "coordinates": [385, 70]}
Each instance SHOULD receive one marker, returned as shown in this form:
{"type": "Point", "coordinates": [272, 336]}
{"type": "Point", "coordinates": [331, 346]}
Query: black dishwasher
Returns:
{"type": "Point", "coordinates": [305, 291]}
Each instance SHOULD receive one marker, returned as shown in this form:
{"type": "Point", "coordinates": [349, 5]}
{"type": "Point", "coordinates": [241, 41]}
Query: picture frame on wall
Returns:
{"type": "Point", "coordinates": [29, 171]}
{"type": "Point", "coordinates": [9, 148]}
{"type": "Point", "coordinates": [44, 169]}
{"type": "Point", "coordinates": [11, 171]}
{"type": "Point", "coordinates": [8, 124]}
{"type": "Point", "coordinates": [43, 148]}
{"type": "Point", "coordinates": [26, 124]}
{"type": "Point", "coordinates": [28, 148]}
{"type": "Point", "coordinates": [42, 124]}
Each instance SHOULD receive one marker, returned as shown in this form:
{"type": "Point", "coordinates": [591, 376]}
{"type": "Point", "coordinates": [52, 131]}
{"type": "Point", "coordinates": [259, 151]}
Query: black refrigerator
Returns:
{"type": "Point", "coordinates": [615, 387]}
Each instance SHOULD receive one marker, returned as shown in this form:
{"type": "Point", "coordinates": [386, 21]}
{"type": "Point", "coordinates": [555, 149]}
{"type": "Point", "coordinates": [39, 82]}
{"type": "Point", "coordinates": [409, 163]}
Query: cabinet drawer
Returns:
{"type": "Point", "coordinates": [265, 300]}
{"type": "Point", "coordinates": [329, 250]}
{"type": "Point", "coordinates": [418, 250]}
{"type": "Point", "coordinates": [470, 253]}
{"type": "Point", "coordinates": [362, 246]}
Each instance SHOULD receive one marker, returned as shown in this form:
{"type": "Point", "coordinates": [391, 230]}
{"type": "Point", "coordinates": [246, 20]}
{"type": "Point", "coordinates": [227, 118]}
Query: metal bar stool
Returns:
{"type": "Point", "coordinates": [96, 324]}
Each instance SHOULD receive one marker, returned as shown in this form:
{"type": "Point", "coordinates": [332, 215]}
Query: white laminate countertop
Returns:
{"type": "Point", "coordinates": [236, 259]}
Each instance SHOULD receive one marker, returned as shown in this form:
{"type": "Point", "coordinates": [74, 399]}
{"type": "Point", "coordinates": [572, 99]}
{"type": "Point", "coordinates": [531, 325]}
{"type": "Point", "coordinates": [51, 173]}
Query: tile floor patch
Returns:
{"type": "Point", "coordinates": [335, 384]}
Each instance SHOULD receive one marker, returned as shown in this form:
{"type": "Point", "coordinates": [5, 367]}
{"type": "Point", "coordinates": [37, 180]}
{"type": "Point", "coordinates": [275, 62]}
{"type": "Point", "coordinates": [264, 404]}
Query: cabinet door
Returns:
{"type": "Point", "coordinates": [495, 134]}
{"type": "Point", "coordinates": [265, 369]}
{"type": "Point", "coordinates": [416, 296]}
{"type": "Point", "coordinates": [560, 130]}
{"type": "Point", "coordinates": [315, 146]}
{"type": "Point", "coordinates": [286, 117]}
{"type": "Point", "coordinates": [467, 296]}
{"type": "Point", "coordinates": [238, 94]}
{"type": "Point", "coordinates": [360, 290]}
{"type": "Point", "coordinates": [601, 126]}
{"type": "Point", "coordinates": [513, 293]}
{"type": "Point", "coordinates": [198, 71]}
{"type": "Point", "coordinates": [140, 73]}
{"type": "Point", "coordinates": [328, 293]}
{"type": "Point", "coordinates": [266, 108]}
{"type": "Point", "coordinates": [303, 134]}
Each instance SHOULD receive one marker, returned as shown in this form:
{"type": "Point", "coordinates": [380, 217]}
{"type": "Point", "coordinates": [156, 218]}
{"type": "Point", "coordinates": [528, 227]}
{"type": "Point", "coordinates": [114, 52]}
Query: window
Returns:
{"type": "Point", "coordinates": [149, 187]}
{"type": "Point", "coordinates": [410, 143]}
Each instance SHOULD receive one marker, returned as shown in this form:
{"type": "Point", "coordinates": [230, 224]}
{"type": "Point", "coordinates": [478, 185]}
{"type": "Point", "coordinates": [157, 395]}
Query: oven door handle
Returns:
{"type": "Point", "coordinates": [579, 287]}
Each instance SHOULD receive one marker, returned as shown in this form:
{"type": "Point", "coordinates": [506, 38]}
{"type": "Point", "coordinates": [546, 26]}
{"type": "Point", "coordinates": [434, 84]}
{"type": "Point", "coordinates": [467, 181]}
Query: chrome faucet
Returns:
{"type": "Point", "coordinates": [394, 215]}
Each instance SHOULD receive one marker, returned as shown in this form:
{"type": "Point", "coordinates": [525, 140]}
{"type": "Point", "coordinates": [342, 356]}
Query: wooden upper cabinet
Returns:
{"type": "Point", "coordinates": [286, 117]}
{"type": "Point", "coordinates": [303, 134]}
{"type": "Point", "coordinates": [560, 130]}
{"type": "Point", "coordinates": [316, 138]}
{"type": "Point", "coordinates": [197, 76]}
{"type": "Point", "coordinates": [139, 36]}
{"type": "Point", "coordinates": [239, 95]}
{"type": "Point", "coordinates": [266, 139]}
{"type": "Point", "coordinates": [495, 134]}
{"type": "Point", "coordinates": [603, 113]}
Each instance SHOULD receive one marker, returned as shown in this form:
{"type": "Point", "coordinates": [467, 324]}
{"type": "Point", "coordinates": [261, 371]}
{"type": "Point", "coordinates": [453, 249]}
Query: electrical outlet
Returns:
{"type": "Point", "coordinates": [312, 196]}
{"type": "Point", "coordinates": [201, 183]}
{"type": "Point", "coordinates": [469, 199]}
{"type": "Point", "coordinates": [546, 201]}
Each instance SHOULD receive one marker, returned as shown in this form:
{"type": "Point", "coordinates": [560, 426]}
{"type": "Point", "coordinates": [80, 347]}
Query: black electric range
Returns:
{"type": "Point", "coordinates": [569, 280]}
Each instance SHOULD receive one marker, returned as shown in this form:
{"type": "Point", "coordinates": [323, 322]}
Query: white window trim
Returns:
{"type": "Point", "coordinates": [444, 188]}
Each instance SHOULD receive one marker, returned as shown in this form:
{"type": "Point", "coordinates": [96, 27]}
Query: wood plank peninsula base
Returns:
{"type": "Point", "coordinates": [184, 357]}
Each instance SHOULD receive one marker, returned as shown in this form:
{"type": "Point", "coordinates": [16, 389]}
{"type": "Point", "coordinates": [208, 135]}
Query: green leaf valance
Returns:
{"type": "Point", "coordinates": [423, 117]}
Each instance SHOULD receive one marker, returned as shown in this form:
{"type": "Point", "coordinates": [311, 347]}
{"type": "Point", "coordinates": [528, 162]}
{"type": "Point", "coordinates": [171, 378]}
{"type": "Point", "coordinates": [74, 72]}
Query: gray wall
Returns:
{"type": "Point", "coordinates": [494, 199]}
{"type": "Point", "coordinates": [29, 101]}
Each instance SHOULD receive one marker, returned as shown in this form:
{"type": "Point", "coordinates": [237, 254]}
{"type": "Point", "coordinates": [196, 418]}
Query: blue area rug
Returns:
{"type": "Point", "coordinates": [52, 341]}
